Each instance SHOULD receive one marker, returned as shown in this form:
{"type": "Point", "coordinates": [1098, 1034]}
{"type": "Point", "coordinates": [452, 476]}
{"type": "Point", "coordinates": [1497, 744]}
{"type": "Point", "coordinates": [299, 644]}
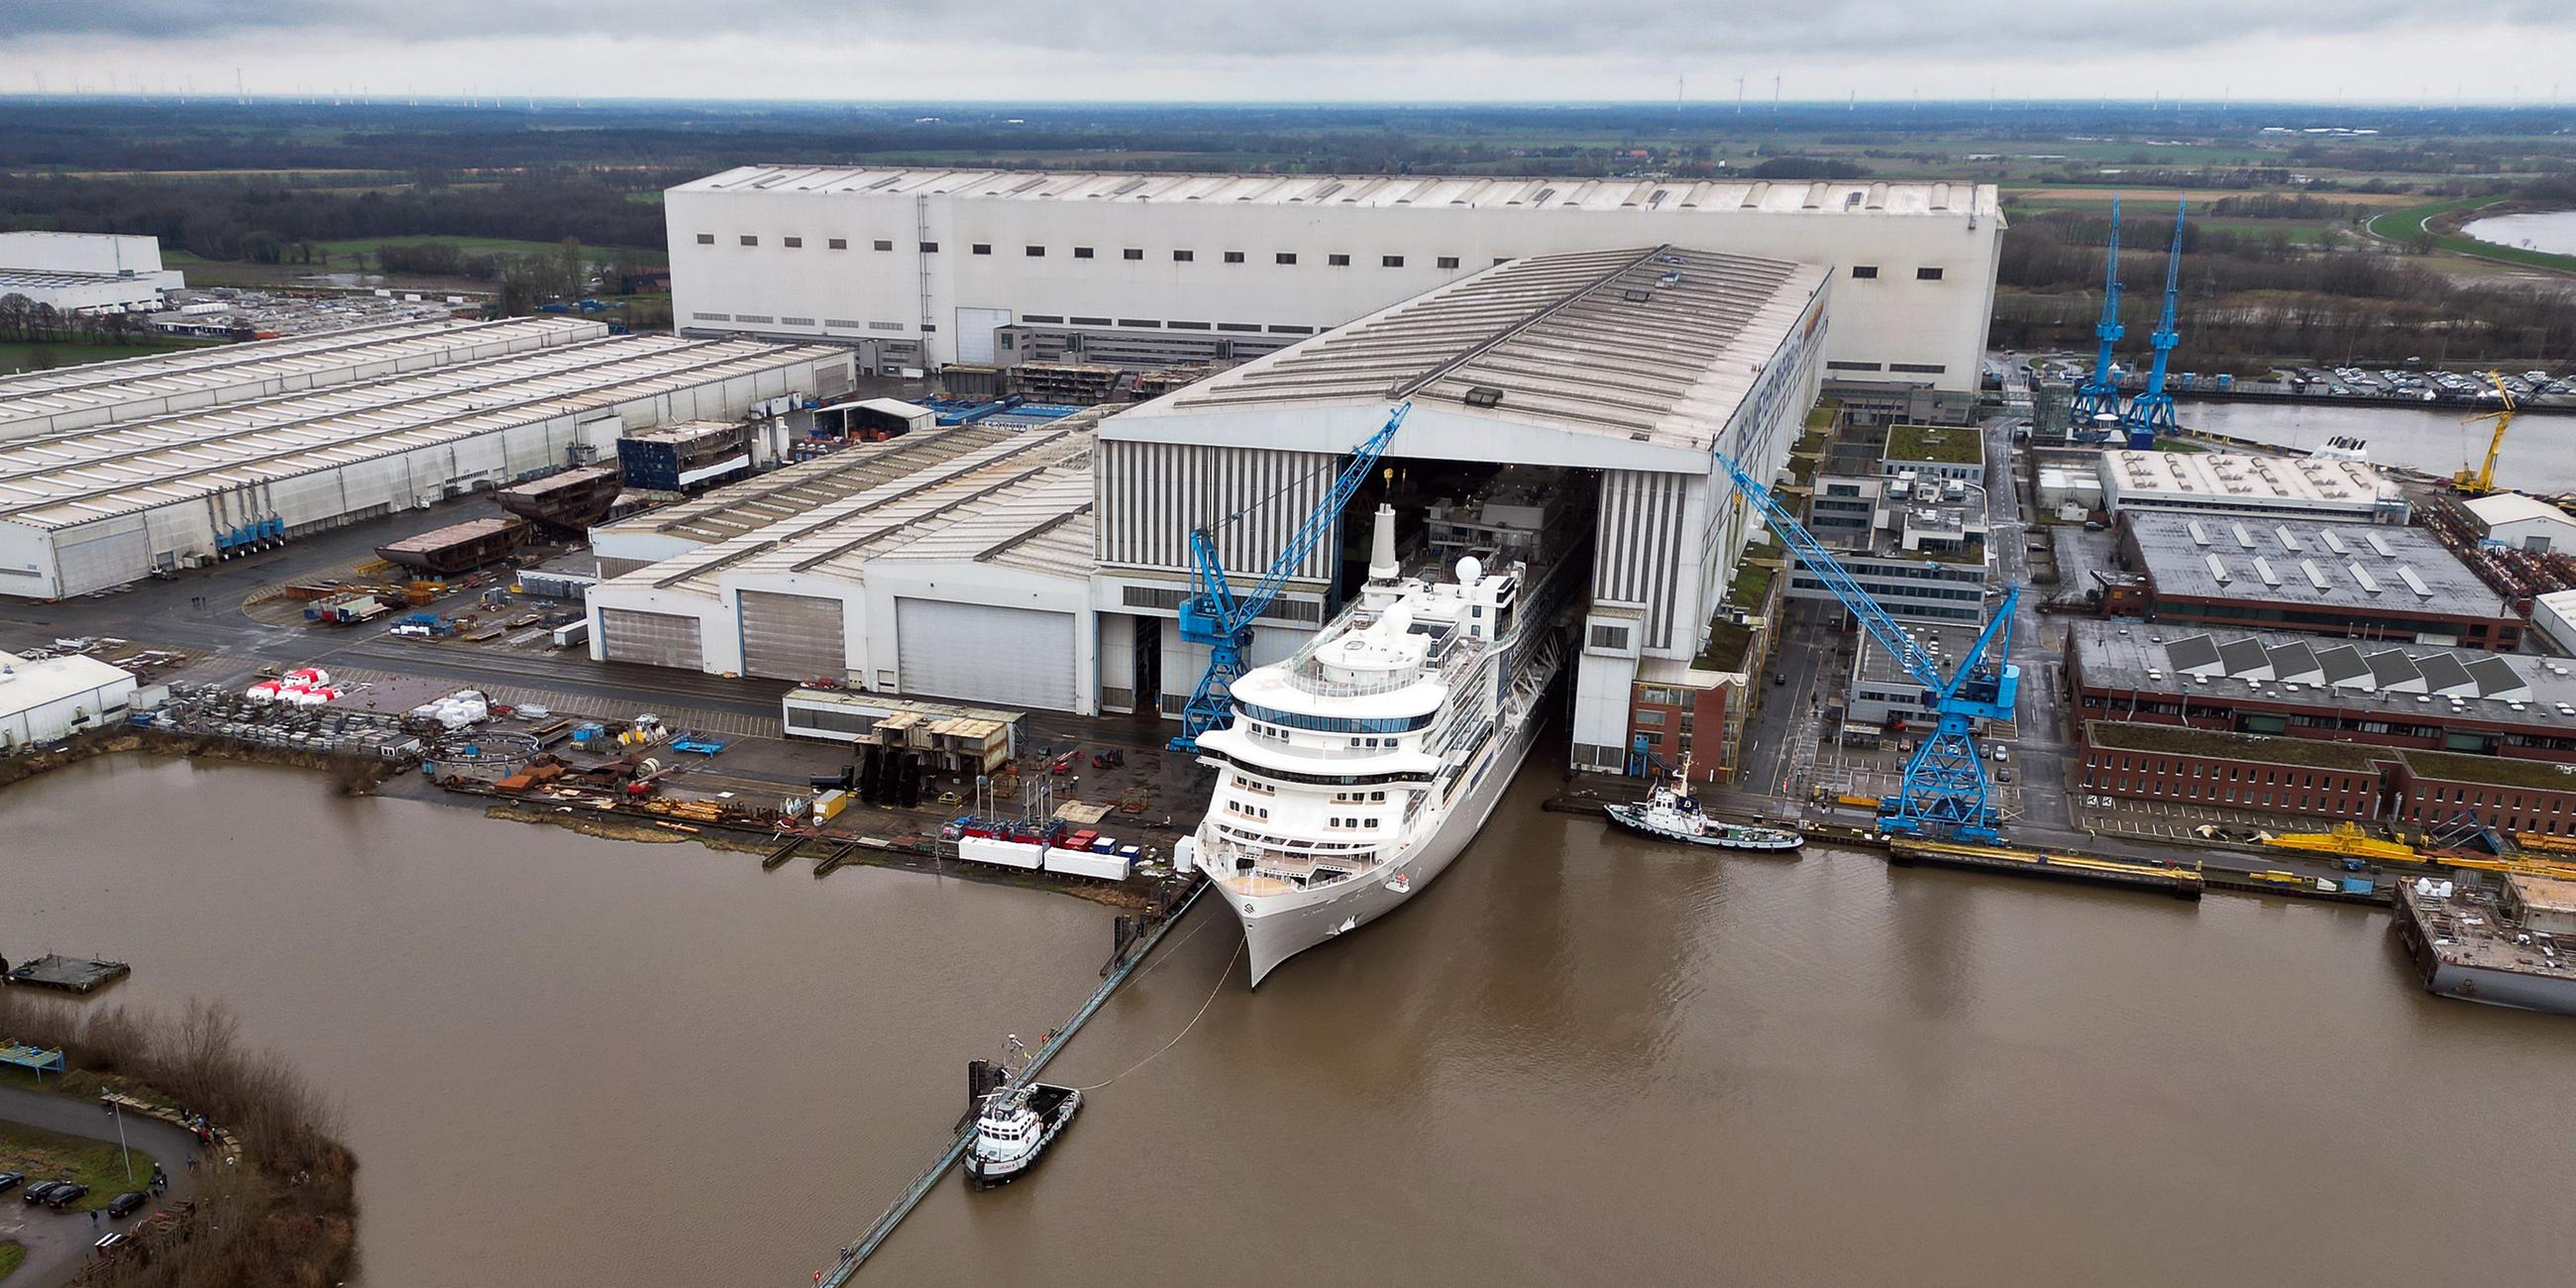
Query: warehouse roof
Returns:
{"type": "Point", "coordinates": [2514, 507]}
{"type": "Point", "coordinates": [2221, 478]}
{"type": "Point", "coordinates": [2302, 563]}
{"type": "Point", "coordinates": [37, 395]}
{"type": "Point", "coordinates": [1654, 344]}
{"type": "Point", "coordinates": [1008, 502]}
{"type": "Point", "coordinates": [1953, 200]}
{"type": "Point", "coordinates": [749, 506]}
{"type": "Point", "coordinates": [2419, 681]}
{"type": "Point", "coordinates": [62, 480]}
{"type": "Point", "coordinates": [44, 278]}
{"type": "Point", "coordinates": [26, 684]}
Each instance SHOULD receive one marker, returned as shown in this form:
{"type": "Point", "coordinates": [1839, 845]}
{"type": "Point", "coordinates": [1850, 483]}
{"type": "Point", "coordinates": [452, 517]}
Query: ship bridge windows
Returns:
{"type": "Point", "coordinates": [1334, 724]}
{"type": "Point", "coordinates": [1398, 779]}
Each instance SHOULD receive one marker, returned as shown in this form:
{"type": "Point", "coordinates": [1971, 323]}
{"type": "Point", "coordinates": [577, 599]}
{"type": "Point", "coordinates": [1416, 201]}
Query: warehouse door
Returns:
{"type": "Point", "coordinates": [792, 637]}
{"type": "Point", "coordinates": [975, 329]}
{"type": "Point", "coordinates": [654, 639]}
{"type": "Point", "coordinates": [100, 562]}
{"type": "Point", "coordinates": [1016, 657]}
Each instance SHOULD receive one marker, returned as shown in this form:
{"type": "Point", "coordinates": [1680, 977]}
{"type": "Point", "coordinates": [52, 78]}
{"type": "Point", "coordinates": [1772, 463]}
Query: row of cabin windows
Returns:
{"type": "Point", "coordinates": [1353, 821]}
{"type": "Point", "coordinates": [1336, 260]}
{"type": "Point", "coordinates": [1354, 798]}
{"type": "Point", "coordinates": [1865, 272]}
{"type": "Point", "coordinates": [1257, 786]}
{"type": "Point", "coordinates": [1248, 811]}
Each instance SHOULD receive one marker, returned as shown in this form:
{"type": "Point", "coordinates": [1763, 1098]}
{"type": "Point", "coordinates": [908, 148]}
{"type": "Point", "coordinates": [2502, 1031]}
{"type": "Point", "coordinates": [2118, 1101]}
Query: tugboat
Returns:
{"type": "Point", "coordinates": [1013, 1128]}
{"type": "Point", "coordinates": [1671, 813]}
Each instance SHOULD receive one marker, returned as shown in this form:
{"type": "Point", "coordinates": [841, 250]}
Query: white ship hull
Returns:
{"type": "Point", "coordinates": [1278, 927]}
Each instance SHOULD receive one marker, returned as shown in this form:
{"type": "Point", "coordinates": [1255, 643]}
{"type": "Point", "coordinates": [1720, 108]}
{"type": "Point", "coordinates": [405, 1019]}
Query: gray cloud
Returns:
{"type": "Point", "coordinates": [1641, 30]}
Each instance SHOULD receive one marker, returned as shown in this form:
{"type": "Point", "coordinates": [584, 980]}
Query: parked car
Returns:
{"type": "Point", "coordinates": [65, 1193]}
{"type": "Point", "coordinates": [9, 1180]}
{"type": "Point", "coordinates": [2002, 753]}
{"type": "Point", "coordinates": [36, 1193]}
{"type": "Point", "coordinates": [124, 1205]}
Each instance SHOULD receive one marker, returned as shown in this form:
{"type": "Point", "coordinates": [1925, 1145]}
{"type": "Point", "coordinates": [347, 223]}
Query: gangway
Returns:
{"type": "Point", "coordinates": [1945, 791]}
{"type": "Point", "coordinates": [1216, 617]}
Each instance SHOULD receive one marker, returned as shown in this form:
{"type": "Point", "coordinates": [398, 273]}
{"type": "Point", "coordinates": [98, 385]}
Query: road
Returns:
{"type": "Point", "coordinates": [58, 1243]}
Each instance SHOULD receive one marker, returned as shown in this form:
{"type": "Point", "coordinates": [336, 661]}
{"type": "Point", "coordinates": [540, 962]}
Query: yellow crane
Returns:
{"type": "Point", "coordinates": [2482, 482]}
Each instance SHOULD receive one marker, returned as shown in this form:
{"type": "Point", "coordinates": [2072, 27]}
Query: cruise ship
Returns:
{"type": "Point", "coordinates": [1357, 769]}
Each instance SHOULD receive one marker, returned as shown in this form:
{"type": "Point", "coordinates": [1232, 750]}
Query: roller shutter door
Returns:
{"type": "Point", "coordinates": [100, 562]}
{"type": "Point", "coordinates": [792, 637]}
{"type": "Point", "coordinates": [1013, 657]}
{"type": "Point", "coordinates": [654, 639]}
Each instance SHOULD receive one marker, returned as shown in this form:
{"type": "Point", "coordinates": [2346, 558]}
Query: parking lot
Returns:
{"type": "Point", "coordinates": [2106, 815]}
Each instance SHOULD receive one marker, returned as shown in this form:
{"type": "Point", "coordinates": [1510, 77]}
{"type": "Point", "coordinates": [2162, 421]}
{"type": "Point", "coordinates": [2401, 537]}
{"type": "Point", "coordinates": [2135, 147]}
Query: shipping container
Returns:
{"type": "Point", "coordinates": [1010, 854]}
{"type": "Point", "coordinates": [1083, 863]}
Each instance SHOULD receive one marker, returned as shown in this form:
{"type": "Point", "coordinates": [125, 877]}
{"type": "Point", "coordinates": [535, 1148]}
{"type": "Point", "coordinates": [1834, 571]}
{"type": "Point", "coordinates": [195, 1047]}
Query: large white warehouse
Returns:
{"type": "Point", "coordinates": [85, 272]}
{"type": "Point", "coordinates": [950, 563]}
{"type": "Point", "coordinates": [921, 268]}
{"type": "Point", "coordinates": [98, 507]}
{"type": "Point", "coordinates": [1614, 376]}
{"type": "Point", "coordinates": [164, 384]}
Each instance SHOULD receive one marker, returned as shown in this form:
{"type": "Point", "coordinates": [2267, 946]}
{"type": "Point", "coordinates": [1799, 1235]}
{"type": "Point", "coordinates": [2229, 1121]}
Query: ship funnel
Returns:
{"type": "Point", "coordinates": [1382, 566]}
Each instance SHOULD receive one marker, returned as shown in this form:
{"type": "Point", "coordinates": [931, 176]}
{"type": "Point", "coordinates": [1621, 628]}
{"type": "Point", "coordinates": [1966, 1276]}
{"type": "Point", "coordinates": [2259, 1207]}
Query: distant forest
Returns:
{"type": "Point", "coordinates": [259, 219]}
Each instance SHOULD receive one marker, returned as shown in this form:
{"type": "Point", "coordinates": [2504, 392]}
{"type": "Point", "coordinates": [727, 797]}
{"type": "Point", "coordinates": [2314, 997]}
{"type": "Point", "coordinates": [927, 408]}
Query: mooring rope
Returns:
{"type": "Point", "coordinates": [1221, 977]}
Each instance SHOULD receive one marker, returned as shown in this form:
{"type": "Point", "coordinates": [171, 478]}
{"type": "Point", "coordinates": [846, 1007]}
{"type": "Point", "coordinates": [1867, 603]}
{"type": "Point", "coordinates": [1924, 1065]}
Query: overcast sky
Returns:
{"type": "Point", "coordinates": [1304, 50]}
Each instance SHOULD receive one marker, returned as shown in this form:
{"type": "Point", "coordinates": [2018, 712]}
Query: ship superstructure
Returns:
{"type": "Point", "coordinates": [1356, 769]}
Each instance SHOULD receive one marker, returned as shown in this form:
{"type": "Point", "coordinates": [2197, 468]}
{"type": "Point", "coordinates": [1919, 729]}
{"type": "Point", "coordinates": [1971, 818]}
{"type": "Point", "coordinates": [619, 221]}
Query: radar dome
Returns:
{"type": "Point", "coordinates": [1470, 569]}
{"type": "Point", "coordinates": [1397, 621]}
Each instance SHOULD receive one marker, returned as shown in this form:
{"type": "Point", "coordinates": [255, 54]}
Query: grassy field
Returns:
{"type": "Point", "coordinates": [2402, 225]}
{"type": "Point", "coordinates": [13, 1254]}
{"type": "Point", "coordinates": [51, 1156]}
{"type": "Point", "coordinates": [20, 356]}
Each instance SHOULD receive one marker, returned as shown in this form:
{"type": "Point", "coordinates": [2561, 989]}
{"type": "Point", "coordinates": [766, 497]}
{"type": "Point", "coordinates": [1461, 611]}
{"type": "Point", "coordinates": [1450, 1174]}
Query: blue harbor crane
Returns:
{"type": "Point", "coordinates": [1945, 793]}
{"type": "Point", "coordinates": [2152, 412]}
{"type": "Point", "coordinates": [2097, 399]}
{"type": "Point", "coordinates": [1215, 616]}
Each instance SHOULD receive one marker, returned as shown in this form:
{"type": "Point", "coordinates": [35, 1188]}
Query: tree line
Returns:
{"type": "Point", "coordinates": [286, 1215]}
{"type": "Point", "coordinates": [2248, 300]}
{"type": "Point", "coordinates": [263, 219]}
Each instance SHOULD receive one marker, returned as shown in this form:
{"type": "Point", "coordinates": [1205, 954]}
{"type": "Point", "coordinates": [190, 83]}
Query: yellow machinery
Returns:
{"type": "Point", "coordinates": [2482, 482]}
{"type": "Point", "coordinates": [2348, 840]}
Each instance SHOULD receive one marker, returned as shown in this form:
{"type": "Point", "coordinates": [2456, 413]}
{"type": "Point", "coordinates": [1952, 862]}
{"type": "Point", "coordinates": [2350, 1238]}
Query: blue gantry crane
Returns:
{"type": "Point", "coordinates": [2152, 412]}
{"type": "Point", "coordinates": [1215, 616]}
{"type": "Point", "coordinates": [1945, 792]}
{"type": "Point", "coordinates": [2098, 396]}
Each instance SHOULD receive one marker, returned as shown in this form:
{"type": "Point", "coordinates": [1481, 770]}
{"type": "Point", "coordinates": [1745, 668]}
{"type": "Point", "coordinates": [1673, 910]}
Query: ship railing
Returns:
{"type": "Point", "coordinates": [1444, 661]}
{"type": "Point", "coordinates": [1222, 859]}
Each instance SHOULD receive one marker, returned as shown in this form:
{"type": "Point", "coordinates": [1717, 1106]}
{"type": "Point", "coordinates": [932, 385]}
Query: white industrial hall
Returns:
{"type": "Point", "coordinates": [919, 268]}
{"type": "Point", "coordinates": [1596, 389]}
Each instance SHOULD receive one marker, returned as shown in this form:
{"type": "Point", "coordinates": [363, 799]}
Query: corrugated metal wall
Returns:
{"type": "Point", "coordinates": [1153, 494]}
{"type": "Point", "coordinates": [1638, 549]}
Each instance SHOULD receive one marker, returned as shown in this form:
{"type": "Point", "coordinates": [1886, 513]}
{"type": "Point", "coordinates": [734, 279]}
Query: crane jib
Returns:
{"type": "Point", "coordinates": [1216, 617]}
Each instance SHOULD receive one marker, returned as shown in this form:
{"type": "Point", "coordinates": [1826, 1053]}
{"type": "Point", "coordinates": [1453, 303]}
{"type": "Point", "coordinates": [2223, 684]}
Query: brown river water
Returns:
{"type": "Point", "coordinates": [1575, 1059]}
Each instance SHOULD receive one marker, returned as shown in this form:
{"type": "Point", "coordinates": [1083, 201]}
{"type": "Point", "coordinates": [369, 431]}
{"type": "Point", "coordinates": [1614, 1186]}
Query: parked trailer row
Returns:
{"type": "Point", "coordinates": [1030, 856]}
